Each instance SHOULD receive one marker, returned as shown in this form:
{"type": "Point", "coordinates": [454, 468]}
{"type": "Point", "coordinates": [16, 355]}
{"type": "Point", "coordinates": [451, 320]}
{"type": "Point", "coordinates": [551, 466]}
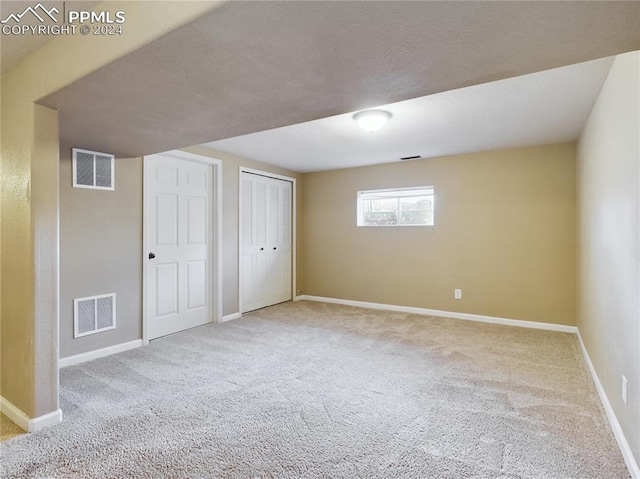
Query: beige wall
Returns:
{"type": "Point", "coordinates": [230, 182]}
{"type": "Point", "coordinates": [504, 233]}
{"type": "Point", "coordinates": [45, 234]}
{"type": "Point", "coordinates": [609, 241]}
{"type": "Point", "coordinates": [101, 252]}
{"type": "Point", "coordinates": [29, 350]}
{"type": "Point", "coordinates": [17, 254]}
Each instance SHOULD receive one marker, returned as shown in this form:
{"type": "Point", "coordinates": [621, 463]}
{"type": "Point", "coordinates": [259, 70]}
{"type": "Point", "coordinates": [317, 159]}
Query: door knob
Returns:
{"type": "Point", "coordinates": [261, 249]}
{"type": "Point", "coordinates": [152, 255]}
{"type": "Point", "coordinates": [274, 247]}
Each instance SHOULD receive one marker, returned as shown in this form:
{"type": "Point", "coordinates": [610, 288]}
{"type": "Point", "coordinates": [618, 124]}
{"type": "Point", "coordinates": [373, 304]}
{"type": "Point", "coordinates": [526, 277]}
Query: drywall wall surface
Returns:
{"type": "Point", "coordinates": [44, 217]}
{"type": "Point", "coordinates": [609, 240]}
{"type": "Point", "coordinates": [504, 233]}
{"type": "Point", "coordinates": [18, 361]}
{"type": "Point", "coordinates": [101, 252]}
{"type": "Point", "coordinates": [29, 375]}
{"type": "Point", "coordinates": [231, 165]}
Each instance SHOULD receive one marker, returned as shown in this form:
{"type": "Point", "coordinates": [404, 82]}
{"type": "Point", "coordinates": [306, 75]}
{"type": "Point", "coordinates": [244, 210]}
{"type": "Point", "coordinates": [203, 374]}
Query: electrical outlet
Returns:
{"type": "Point", "coordinates": [457, 293]}
{"type": "Point", "coordinates": [624, 389]}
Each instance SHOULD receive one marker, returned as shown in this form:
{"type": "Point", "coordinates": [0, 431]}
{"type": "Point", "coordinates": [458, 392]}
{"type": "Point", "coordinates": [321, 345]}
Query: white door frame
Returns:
{"type": "Point", "coordinates": [215, 246]}
{"type": "Point", "coordinates": [244, 169]}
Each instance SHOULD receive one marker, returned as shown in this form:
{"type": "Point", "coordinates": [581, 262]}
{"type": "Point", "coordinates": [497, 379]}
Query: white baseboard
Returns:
{"type": "Point", "coordinates": [445, 314]}
{"type": "Point", "coordinates": [46, 420]}
{"type": "Point", "coordinates": [611, 415]}
{"type": "Point", "coordinates": [25, 422]}
{"type": "Point", "coordinates": [16, 415]}
{"type": "Point", "coordinates": [230, 317]}
{"type": "Point", "coordinates": [98, 353]}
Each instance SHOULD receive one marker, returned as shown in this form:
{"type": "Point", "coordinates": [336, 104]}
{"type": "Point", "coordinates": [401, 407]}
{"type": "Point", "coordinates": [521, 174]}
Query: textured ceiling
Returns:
{"type": "Point", "coordinates": [535, 109]}
{"type": "Point", "coordinates": [251, 66]}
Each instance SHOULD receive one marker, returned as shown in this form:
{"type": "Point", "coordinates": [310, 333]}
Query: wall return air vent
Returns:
{"type": "Point", "coordinates": [94, 170]}
{"type": "Point", "coordinates": [94, 314]}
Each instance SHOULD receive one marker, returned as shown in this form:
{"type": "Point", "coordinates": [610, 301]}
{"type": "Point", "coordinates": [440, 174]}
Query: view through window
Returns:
{"type": "Point", "coordinates": [396, 207]}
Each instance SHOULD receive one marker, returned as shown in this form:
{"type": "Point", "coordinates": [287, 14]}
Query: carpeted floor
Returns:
{"type": "Point", "coordinates": [8, 429]}
{"type": "Point", "coordinates": [313, 390]}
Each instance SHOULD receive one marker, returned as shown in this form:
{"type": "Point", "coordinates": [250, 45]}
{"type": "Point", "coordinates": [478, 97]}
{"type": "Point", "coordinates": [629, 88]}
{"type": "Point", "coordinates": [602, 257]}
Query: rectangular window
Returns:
{"type": "Point", "coordinates": [396, 207]}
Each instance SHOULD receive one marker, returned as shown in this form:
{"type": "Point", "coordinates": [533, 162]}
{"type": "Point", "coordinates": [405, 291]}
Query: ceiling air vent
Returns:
{"type": "Point", "coordinates": [414, 157]}
{"type": "Point", "coordinates": [94, 170]}
{"type": "Point", "coordinates": [94, 314]}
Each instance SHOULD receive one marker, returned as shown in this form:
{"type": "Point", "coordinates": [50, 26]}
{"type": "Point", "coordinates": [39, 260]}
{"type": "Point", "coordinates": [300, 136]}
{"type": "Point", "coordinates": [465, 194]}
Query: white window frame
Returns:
{"type": "Point", "coordinates": [362, 194]}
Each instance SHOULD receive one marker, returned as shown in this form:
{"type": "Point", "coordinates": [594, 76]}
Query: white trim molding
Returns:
{"type": "Point", "coordinates": [627, 454]}
{"type": "Point", "coordinates": [444, 314]}
{"type": "Point", "coordinates": [25, 422]}
{"type": "Point", "coordinates": [98, 353]}
{"type": "Point", "coordinates": [231, 317]}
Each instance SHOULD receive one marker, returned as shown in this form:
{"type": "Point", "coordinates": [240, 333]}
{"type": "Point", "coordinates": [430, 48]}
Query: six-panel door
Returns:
{"type": "Point", "coordinates": [178, 237]}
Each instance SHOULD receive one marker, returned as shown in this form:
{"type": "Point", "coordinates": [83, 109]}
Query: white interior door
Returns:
{"type": "Point", "coordinates": [178, 216]}
{"type": "Point", "coordinates": [266, 213]}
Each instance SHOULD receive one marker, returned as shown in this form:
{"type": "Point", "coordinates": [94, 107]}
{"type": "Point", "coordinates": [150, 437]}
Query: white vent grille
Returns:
{"type": "Point", "coordinates": [93, 170]}
{"type": "Point", "coordinates": [94, 314]}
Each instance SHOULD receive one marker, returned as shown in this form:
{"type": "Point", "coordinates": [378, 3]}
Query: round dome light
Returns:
{"type": "Point", "coordinates": [372, 120]}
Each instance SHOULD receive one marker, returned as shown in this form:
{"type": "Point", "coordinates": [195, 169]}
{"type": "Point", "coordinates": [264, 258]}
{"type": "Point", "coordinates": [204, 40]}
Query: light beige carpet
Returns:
{"type": "Point", "coordinates": [312, 390]}
{"type": "Point", "coordinates": [8, 429]}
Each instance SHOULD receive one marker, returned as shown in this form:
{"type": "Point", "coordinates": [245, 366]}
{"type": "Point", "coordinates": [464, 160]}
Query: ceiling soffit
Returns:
{"type": "Point", "coordinates": [251, 66]}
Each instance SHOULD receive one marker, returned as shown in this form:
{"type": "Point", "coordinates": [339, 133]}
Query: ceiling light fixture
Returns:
{"type": "Point", "coordinates": [372, 120]}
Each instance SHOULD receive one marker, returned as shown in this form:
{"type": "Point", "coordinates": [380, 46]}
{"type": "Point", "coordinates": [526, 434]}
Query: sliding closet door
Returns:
{"type": "Point", "coordinates": [265, 216]}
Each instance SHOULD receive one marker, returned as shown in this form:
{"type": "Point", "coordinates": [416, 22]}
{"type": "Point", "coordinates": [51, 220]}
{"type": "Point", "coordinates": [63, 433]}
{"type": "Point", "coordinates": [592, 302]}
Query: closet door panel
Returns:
{"type": "Point", "coordinates": [266, 241]}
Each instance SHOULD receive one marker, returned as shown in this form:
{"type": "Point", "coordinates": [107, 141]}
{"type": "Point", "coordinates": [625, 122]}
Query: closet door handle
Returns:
{"type": "Point", "coordinates": [274, 248]}
{"type": "Point", "coordinates": [261, 249]}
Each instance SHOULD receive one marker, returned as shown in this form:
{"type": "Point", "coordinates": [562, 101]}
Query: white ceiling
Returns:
{"type": "Point", "coordinates": [540, 108]}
